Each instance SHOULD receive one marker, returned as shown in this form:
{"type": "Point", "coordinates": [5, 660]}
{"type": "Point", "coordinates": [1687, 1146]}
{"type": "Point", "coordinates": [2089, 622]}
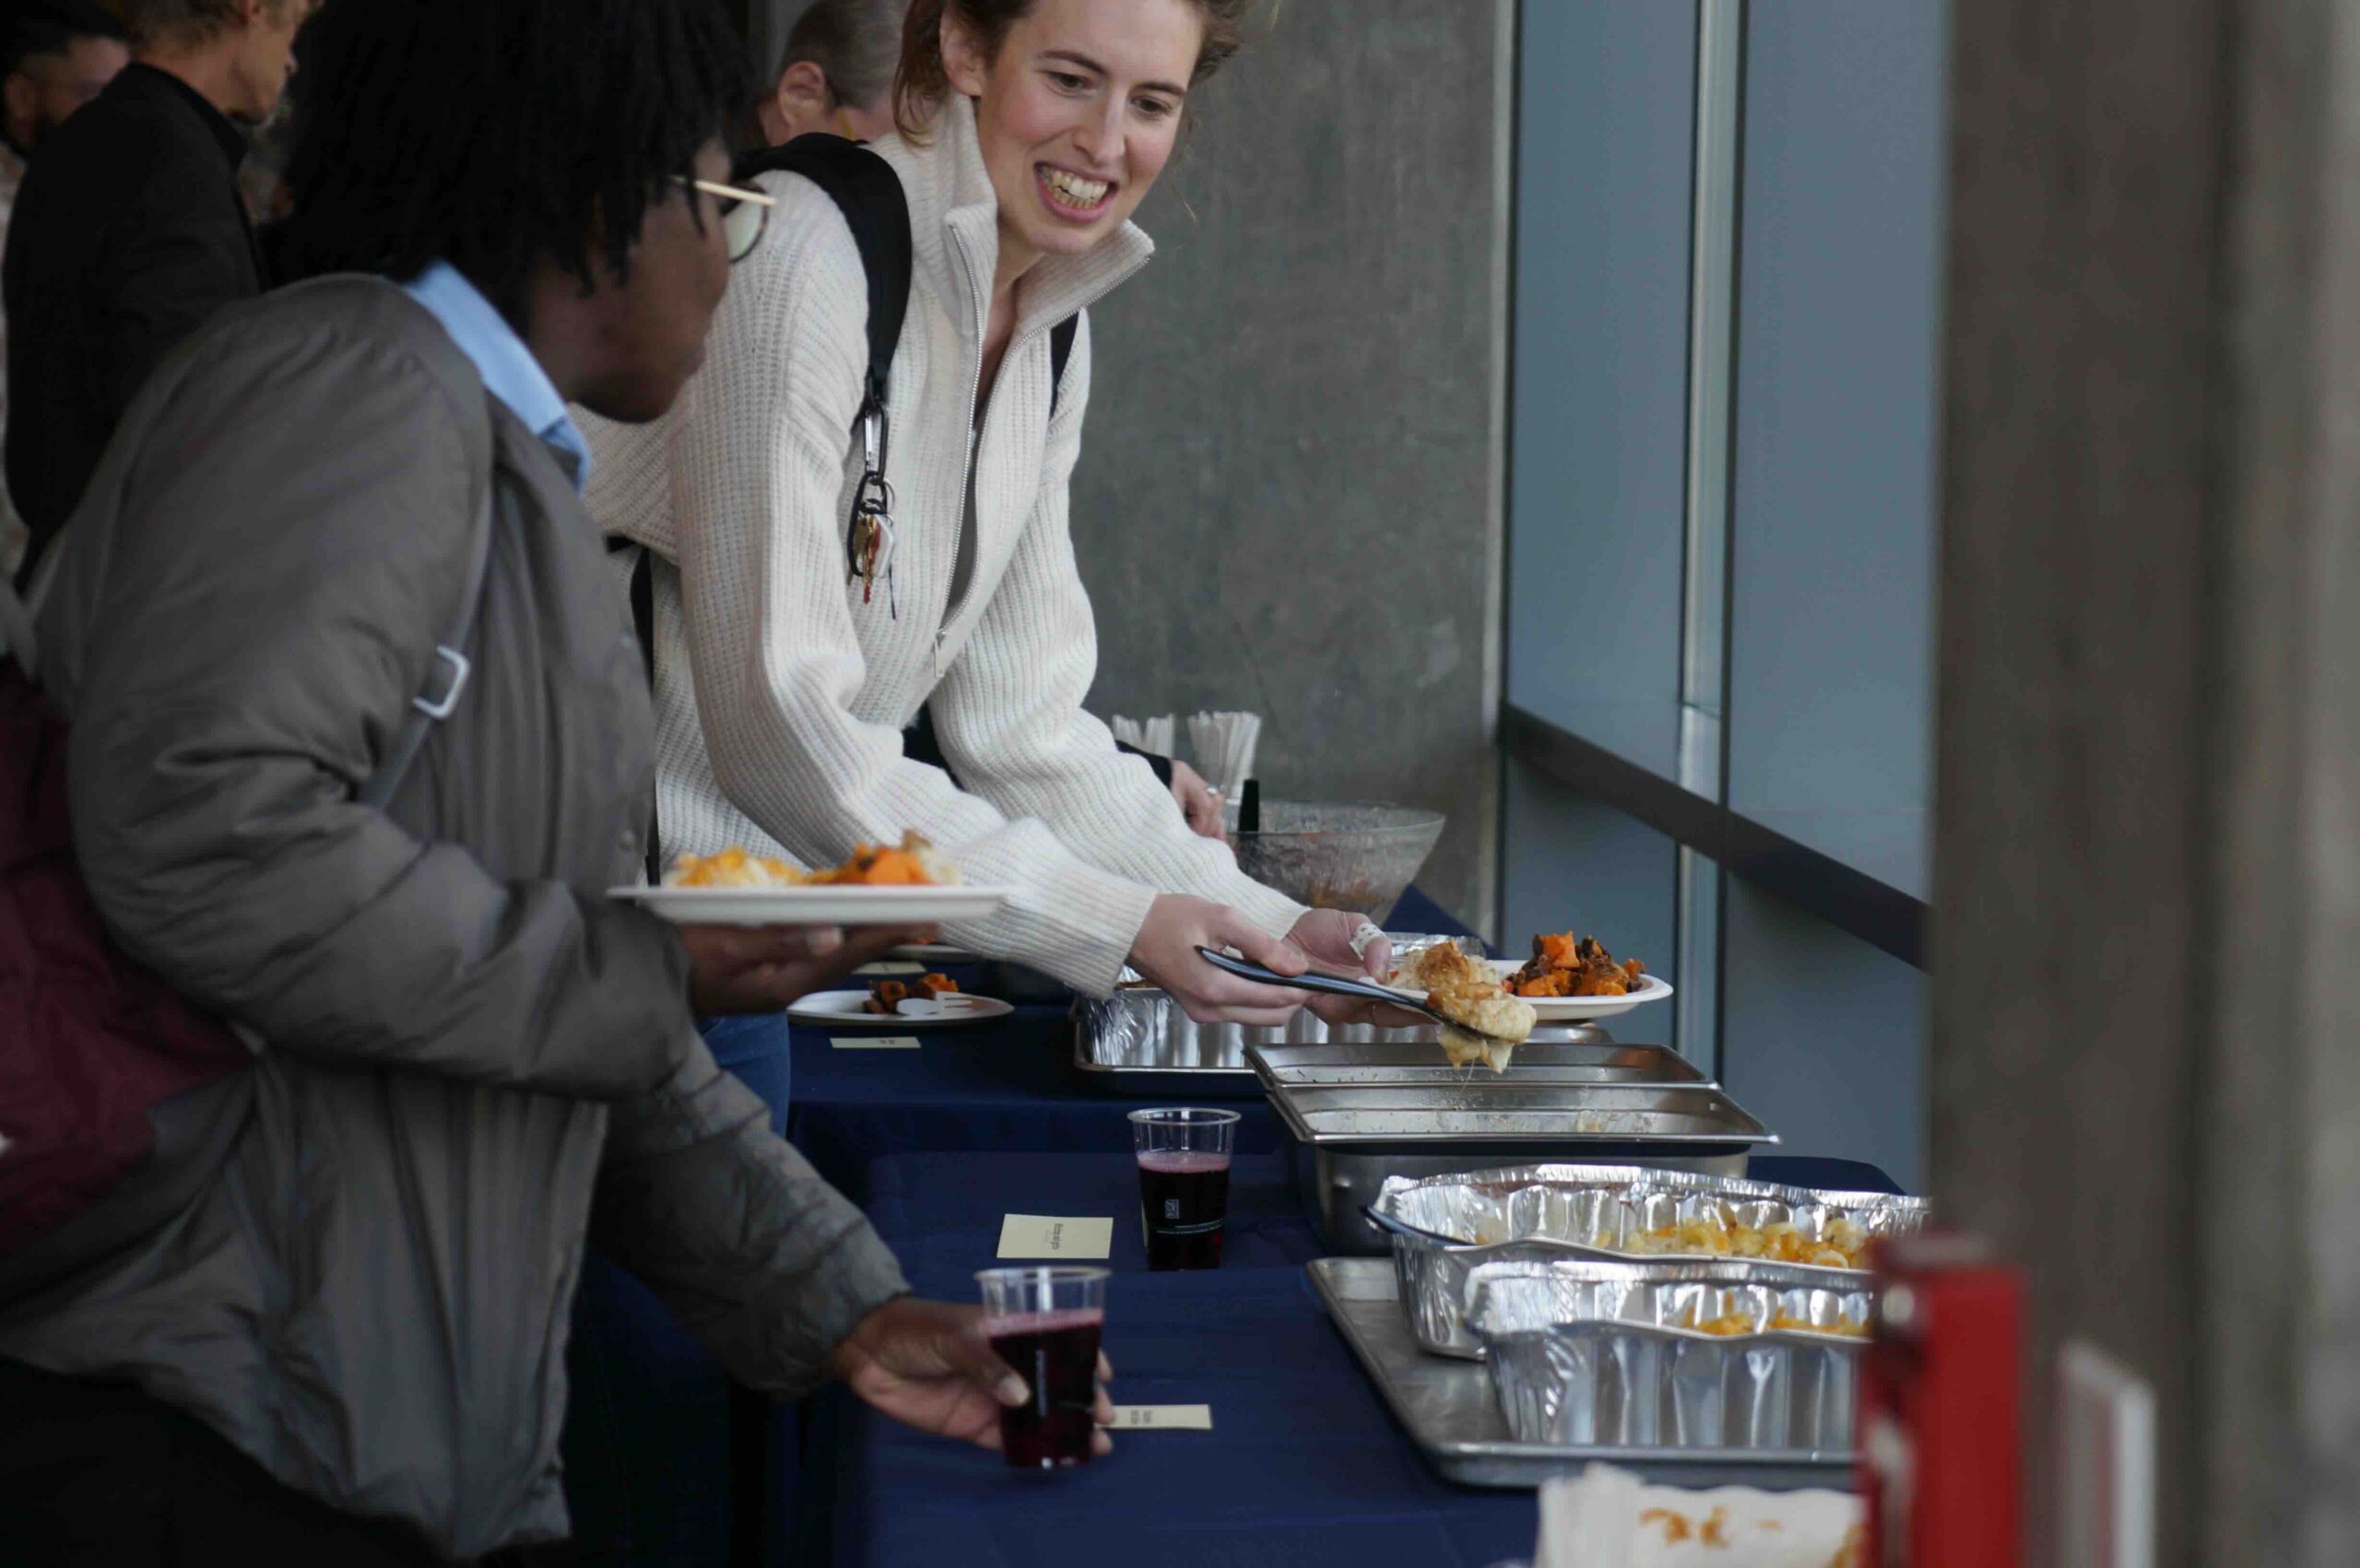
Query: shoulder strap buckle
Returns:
{"type": "Point", "coordinates": [441, 708]}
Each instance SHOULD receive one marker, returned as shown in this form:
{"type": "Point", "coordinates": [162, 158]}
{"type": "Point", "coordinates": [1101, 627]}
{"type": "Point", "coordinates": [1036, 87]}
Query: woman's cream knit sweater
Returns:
{"type": "Point", "coordinates": [781, 696]}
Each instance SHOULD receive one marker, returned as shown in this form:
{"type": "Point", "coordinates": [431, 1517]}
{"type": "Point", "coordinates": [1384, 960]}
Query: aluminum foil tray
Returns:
{"type": "Point", "coordinates": [1447, 1407]}
{"type": "Point", "coordinates": [1443, 1228]}
{"type": "Point", "coordinates": [1421, 1062]}
{"type": "Point", "coordinates": [1140, 1031]}
{"type": "Point", "coordinates": [1589, 1352]}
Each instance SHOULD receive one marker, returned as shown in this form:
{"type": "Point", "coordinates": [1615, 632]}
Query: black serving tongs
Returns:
{"type": "Point", "coordinates": [1328, 984]}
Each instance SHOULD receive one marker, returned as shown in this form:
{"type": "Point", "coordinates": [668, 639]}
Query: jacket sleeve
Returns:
{"type": "Point", "coordinates": [171, 267]}
{"type": "Point", "coordinates": [293, 527]}
{"type": "Point", "coordinates": [766, 1264]}
{"type": "Point", "coordinates": [1010, 717]}
{"type": "Point", "coordinates": [758, 460]}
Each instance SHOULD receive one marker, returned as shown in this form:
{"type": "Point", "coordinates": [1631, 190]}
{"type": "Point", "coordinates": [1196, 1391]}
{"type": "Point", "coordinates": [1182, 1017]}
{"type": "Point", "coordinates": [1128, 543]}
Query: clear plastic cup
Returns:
{"type": "Point", "coordinates": [1045, 1321]}
{"type": "Point", "coordinates": [1183, 1155]}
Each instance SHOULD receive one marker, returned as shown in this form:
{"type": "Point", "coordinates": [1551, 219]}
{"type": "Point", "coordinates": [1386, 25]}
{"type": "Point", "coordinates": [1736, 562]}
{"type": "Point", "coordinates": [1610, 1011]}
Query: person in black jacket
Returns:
{"type": "Point", "coordinates": [129, 234]}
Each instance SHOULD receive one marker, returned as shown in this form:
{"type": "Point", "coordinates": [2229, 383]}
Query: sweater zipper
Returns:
{"type": "Point", "coordinates": [974, 445]}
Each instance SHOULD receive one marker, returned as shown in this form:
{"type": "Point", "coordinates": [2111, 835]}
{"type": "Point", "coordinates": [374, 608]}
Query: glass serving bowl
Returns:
{"type": "Point", "coordinates": [1339, 855]}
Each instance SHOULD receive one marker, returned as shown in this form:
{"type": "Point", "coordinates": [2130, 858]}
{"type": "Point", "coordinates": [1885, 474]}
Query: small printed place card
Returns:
{"type": "Point", "coordinates": [1164, 1418]}
{"type": "Point", "coordinates": [1043, 1236]}
{"type": "Point", "coordinates": [890, 966]}
{"type": "Point", "coordinates": [873, 1041]}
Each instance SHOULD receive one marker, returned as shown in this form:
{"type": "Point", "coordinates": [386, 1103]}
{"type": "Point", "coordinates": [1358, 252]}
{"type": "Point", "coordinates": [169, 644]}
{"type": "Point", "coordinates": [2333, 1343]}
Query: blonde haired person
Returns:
{"type": "Point", "coordinates": [1028, 133]}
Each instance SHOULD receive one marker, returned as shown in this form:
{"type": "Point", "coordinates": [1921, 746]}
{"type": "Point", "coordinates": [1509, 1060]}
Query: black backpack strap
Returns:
{"type": "Point", "coordinates": [867, 192]}
{"type": "Point", "coordinates": [1061, 351]}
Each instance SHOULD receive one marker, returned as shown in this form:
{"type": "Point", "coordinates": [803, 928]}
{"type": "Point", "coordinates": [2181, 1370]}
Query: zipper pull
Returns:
{"type": "Point", "coordinates": [940, 632]}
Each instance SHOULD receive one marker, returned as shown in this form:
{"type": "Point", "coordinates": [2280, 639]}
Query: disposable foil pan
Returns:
{"type": "Point", "coordinates": [1591, 1352]}
{"type": "Point", "coordinates": [1141, 1032]}
{"type": "Point", "coordinates": [1443, 1228]}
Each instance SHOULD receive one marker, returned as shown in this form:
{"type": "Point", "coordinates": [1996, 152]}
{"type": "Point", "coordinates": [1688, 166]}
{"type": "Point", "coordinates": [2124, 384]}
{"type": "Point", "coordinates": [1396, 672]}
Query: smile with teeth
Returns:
{"type": "Point", "coordinates": [1072, 191]}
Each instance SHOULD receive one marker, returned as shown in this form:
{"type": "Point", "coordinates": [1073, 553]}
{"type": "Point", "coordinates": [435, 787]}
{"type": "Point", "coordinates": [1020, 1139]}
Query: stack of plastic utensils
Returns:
{"type": "Point", "coordinates": [1222, 745]}
{"type": "Point", "coordinates": [1153, 736]}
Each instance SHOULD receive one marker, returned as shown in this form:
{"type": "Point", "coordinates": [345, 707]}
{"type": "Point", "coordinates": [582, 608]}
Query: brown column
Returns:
{"type": "Point", "coordinates": [2146, 981]}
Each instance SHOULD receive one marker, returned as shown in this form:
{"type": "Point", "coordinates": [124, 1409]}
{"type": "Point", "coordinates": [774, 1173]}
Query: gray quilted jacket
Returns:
{"type": "Point", "coordinates": [356, 1260]}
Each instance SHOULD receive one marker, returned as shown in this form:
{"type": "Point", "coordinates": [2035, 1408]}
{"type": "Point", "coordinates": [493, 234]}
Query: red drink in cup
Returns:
{"type": "Point", "coordinates": [1183, 1184]}
{"type": "Point", "coordinates": [1046, 1323]}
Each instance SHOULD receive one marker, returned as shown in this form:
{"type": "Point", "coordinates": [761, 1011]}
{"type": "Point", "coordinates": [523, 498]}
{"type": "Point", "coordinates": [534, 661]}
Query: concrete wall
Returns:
{"type": "Point", "coordinates": [2144, 998]}
{"type": "Point", "coordinates": [1287, 497]}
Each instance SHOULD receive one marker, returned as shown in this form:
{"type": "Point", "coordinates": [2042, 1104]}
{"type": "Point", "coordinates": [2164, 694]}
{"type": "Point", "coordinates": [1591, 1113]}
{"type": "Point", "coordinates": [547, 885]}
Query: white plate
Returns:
{"type": "Point", "coordinates": [814, 906]}
{"type": "Point", "coordinates": [933, 952]}
{"type": "Point", "coordinates": [1565, 1009]}
{"type": "Point", "coordinates": [842, 1008]}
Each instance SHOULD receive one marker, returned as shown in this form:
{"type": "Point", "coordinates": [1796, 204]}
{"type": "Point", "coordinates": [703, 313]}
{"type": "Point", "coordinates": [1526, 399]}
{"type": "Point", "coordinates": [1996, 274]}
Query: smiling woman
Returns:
{"type": "Point", "coordinates": [1029, 135]}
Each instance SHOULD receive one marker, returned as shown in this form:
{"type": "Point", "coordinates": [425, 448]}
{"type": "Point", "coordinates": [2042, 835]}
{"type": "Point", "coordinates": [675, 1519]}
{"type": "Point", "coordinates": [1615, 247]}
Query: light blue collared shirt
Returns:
{"type": "Point", "coordinates": [509, 371]}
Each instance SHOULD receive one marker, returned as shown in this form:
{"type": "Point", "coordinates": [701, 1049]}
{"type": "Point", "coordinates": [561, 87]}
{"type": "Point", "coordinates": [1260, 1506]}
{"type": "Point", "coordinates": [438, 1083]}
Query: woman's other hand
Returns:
{"type": "Point", "coordinates": [927, 1365]}
{"type": "Point", "coordinates": [1200, 802]}
{"type": "Point", "coordinates": [756, 968]}
{"type": "Point", "coordinates": [1338, 942]}
{"type": "Point", "coordinates": [1166, 953]}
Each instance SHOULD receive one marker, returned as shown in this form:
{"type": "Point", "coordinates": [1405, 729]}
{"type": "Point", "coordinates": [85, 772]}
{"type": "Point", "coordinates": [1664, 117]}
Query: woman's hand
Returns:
{"type": "Point", "coordinates": [926, 1364]}
{"type": "Point", "coordinates": [760, 968]}
{"type": "Point", "coordinates": [1337, 942]}
{"type": "Point", "coordinates": [1166, 953]}
{"type": "Point", "coordinates": [1200, 802]}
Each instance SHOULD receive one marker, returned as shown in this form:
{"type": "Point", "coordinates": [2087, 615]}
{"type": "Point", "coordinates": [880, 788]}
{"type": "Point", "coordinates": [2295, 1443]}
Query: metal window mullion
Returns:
{"type": "Point", "coordinates": [1712, 227]}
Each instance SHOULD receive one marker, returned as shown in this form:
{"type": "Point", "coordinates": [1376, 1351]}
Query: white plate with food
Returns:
{"type": "Point", "coordinates": [909, 884]}
{"type": "Point", "coordinates": [1560, 964]}
{"type": "Point", "coordinates": [850, 1009]}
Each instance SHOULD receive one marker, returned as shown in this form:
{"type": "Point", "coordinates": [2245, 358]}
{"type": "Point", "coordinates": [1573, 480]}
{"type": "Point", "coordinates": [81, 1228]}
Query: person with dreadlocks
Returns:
{"type": "Point", "coordinates": [326, 1320]}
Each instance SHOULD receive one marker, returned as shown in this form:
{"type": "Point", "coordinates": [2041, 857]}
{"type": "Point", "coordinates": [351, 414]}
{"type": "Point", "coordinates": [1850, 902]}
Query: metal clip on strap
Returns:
{"type": "Point", "coordinates": [440, 708]}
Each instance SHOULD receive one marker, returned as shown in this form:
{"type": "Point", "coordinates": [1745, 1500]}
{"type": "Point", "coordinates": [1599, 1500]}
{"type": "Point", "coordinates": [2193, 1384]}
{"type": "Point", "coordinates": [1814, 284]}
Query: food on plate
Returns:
{"type": "Point", "coordinates": [1487, 1023]}
{"type": "Point", "coordinates": [913, 863]}
{"type": "Point", "coordinates": [886, 997]}
{"type": "Point", "coordinates": [733, 867]}
{"type": "Point", "coordinates": [1712, 1234]}
{"type": "Point", "coordinates": [1560, 966]}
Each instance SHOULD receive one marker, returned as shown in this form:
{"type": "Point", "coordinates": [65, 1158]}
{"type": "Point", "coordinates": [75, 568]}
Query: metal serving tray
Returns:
{"type": "Point", "coordinates": [1443, 1228]}
{"type": "Point", "coordinates": [1137, 1042]}
{"type": "Point", "coordinates": [1448, 1408]}
{"type": "Point", "coordinates": [1499, 1110]}
{"type": "Point", "coordinates": [1538, 1061]}
{"type": "Point", "coordinates": [1354, 1139]}
{"type": "Point", "coordinates": [1586, 1352]}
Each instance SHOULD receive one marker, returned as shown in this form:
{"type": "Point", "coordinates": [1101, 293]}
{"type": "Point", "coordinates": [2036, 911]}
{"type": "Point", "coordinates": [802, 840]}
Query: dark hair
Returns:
{"type": "Point", "coordinates": [855, 43]}
{"type": "Point", "coordinates": [492, 133]}
{"type": "Point", "coordinates": [53, 29]}
{"type": "Point", "coordinates": [923, 84]}
{"type": "Point", "coordinates": [184, 21]}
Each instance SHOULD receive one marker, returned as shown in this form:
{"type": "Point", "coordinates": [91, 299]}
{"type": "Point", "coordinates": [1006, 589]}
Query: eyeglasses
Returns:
{"type": "Point", "coordinates": [744, 214]}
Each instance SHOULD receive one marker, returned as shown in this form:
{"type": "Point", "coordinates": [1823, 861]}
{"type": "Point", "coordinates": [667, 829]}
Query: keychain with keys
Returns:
{"type": "Point", "coordinates": [870, 538]}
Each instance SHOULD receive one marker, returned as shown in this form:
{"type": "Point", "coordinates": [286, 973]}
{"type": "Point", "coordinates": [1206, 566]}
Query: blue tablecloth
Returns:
{"type": "Point", "coordinates": [1303, 1467]}
{"type": "Point", "coordinates": [1005, 1084]}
